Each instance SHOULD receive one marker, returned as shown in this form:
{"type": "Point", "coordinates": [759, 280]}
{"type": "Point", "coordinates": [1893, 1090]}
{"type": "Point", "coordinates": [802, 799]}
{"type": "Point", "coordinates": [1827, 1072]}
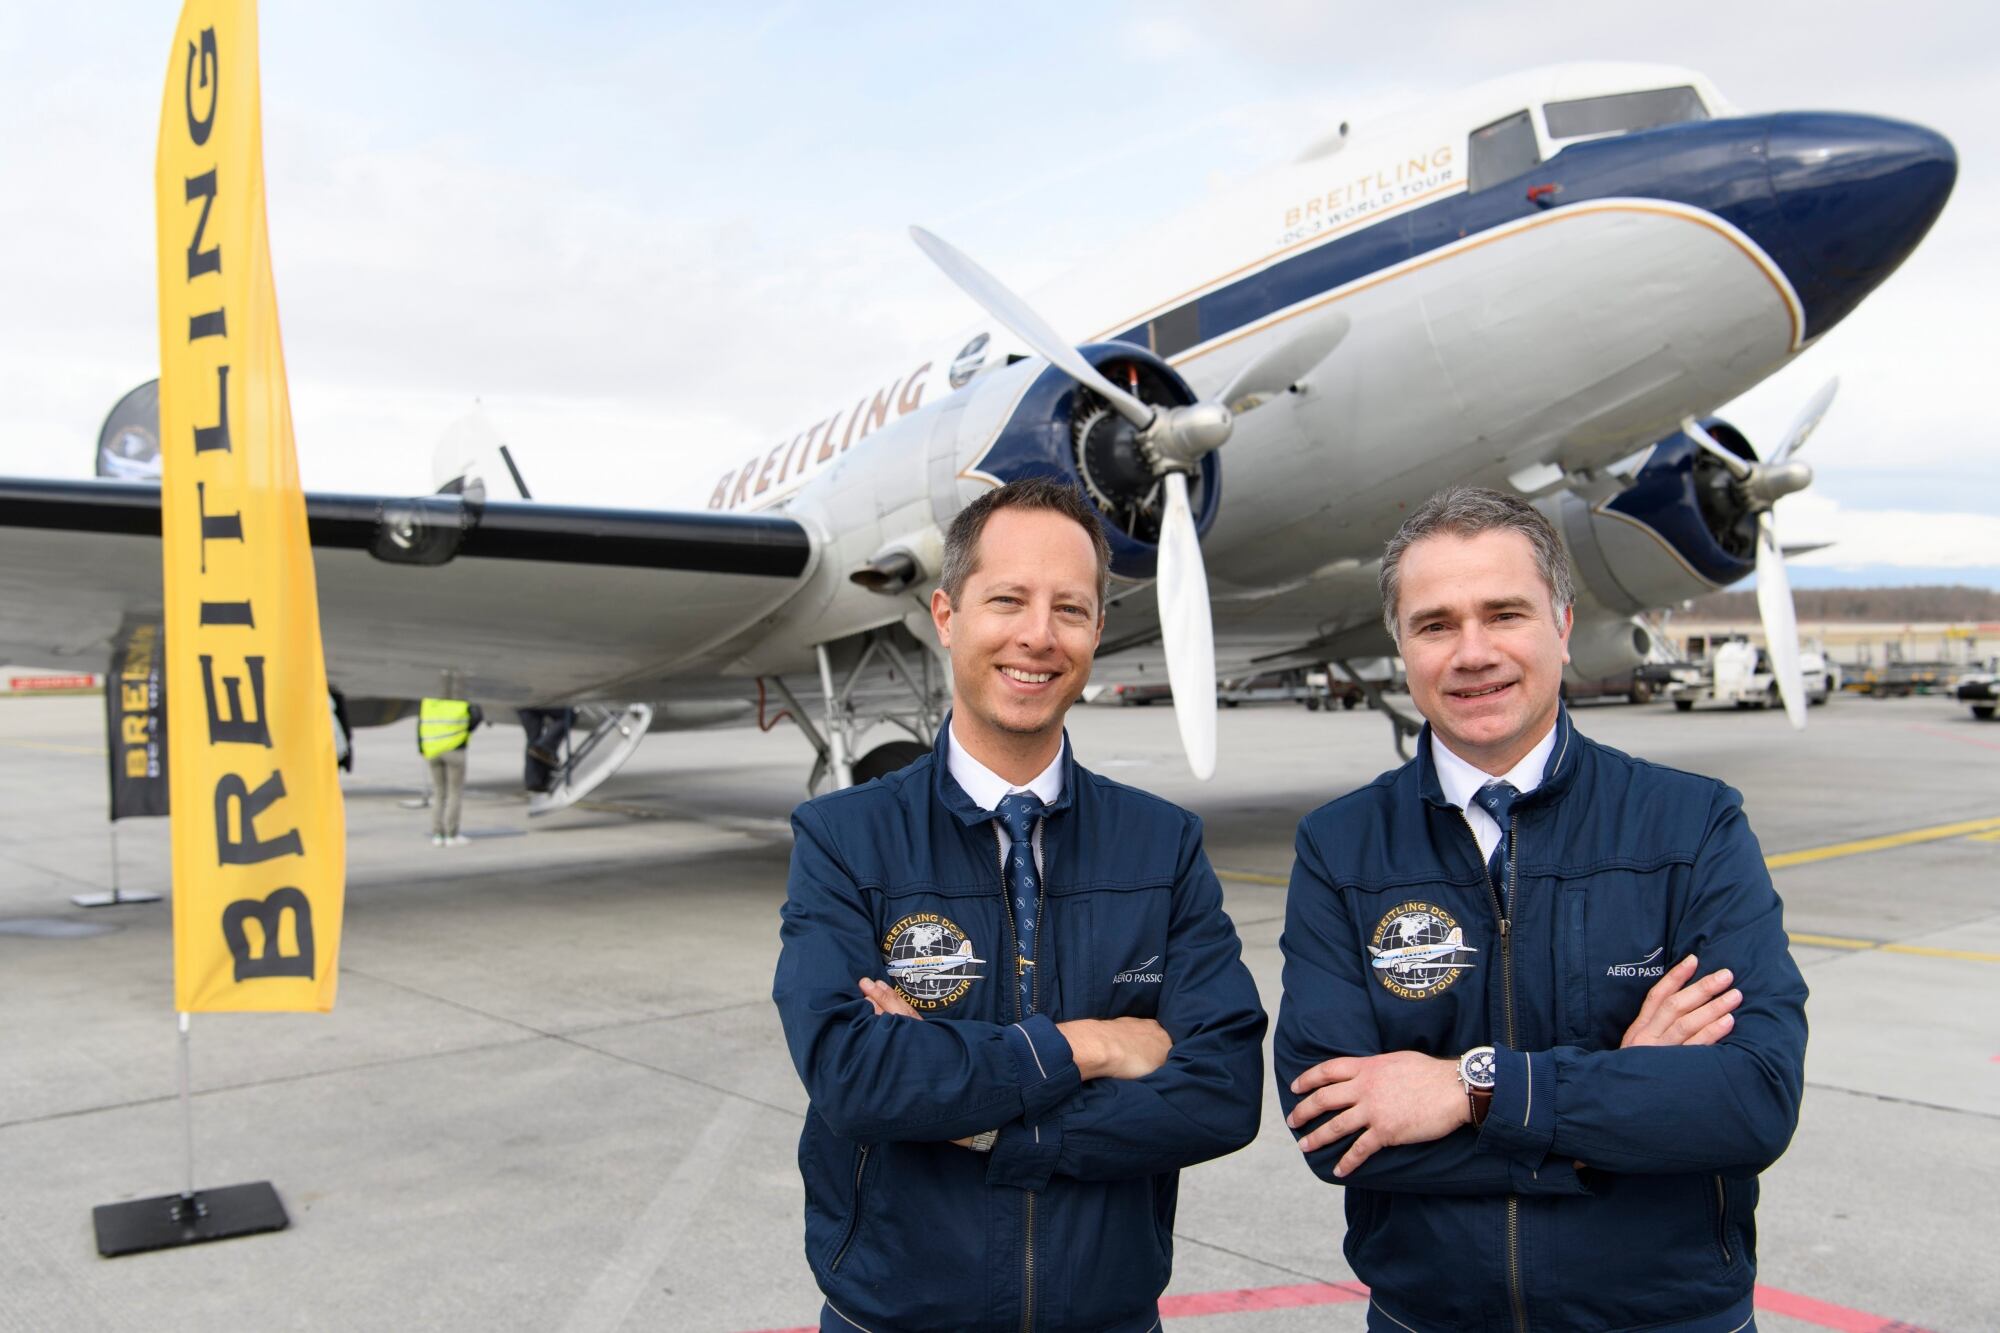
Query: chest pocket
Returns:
{"type": "Point", "coordinates": [1117, 967]}
{"type": "Point", "coordinates": [1617, 939]}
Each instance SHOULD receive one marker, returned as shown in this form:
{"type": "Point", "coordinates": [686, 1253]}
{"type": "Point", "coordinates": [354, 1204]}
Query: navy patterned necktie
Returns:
{"type": "Point", "coordinates": [1497, 798]}
{"type": "Point", "coordinates": [1018, 812]}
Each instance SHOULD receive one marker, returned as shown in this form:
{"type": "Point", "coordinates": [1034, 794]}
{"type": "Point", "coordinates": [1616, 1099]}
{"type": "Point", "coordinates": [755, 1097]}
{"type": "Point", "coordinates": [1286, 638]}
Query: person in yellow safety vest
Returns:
{"type": "Point", "coordinates": [444, 729]}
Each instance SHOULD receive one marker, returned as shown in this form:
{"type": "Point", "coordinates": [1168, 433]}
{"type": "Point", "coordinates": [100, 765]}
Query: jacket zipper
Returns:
{"type": "Point", "coordinates": [1722, 1221]}
{"type": "Point", "coordinates": [854, 1221]}
{"type": "Point", "coordinates": [1034, 1006]}
{"type": "Point", "coordinates": [1507, 1001]}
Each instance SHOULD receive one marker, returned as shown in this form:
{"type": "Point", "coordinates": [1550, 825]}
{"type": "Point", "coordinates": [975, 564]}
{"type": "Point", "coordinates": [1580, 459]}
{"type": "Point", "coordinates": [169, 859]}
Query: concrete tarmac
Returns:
{"type": "Point", "coordinates": [554, 1094]}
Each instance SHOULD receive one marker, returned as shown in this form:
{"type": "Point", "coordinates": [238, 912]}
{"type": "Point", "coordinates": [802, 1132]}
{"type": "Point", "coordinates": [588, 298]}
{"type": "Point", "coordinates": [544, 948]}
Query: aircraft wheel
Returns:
{"type": "Point", "coordinates": [1349, 701]}
{"type": "Point", "coordinates": [1984, 712]}
{"type": "Point", "coordinates": [1312, 703]}
{"type": "Point", "coordinates": [1684, 705]}
{"type": "Point", "coordinates": [886, 759]}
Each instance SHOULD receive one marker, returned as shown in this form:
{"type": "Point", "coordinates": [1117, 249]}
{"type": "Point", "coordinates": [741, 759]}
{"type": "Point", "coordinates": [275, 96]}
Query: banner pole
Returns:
{"type": "Point", "coordinates": [187, 1117]}
{"type": "Point", "coordinates": [116, 897]}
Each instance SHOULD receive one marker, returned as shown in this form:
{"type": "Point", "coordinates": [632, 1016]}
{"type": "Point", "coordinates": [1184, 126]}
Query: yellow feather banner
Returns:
{"type": "Point", "coordinates": [259, 832]}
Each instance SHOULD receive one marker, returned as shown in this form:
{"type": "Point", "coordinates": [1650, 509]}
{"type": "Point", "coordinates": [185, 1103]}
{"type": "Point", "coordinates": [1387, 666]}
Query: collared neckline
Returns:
{"type": "Point", "coordinates": [1460, 781]}
{"type": "Point", "coordinates": [986, 788]}
{"type": "Point", "coordinates": [1559, 768]}
{"type": "Point", "coordinates": [953, 795]}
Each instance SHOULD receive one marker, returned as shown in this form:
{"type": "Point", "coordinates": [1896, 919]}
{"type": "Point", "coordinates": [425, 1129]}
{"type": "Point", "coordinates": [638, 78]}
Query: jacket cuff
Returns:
{"type": "Point", "coordinates": [1042, 1063]}
{"type": "Point", "coordinates": [1522, 1122]}
{"type": "Point", "coordinates": [1024, 1156]}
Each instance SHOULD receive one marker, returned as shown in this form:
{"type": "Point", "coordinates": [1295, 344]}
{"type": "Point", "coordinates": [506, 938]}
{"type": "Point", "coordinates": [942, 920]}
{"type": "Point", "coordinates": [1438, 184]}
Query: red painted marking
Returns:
{"type": "Point", "coordinates": [1954, 736]}
{"type": "Point", "coordinates": [1249, 1300]}
{"type": "Point", "coordinates": [1791, 1305]}
{"type": "Point", "coordinates": [1245, 1299]}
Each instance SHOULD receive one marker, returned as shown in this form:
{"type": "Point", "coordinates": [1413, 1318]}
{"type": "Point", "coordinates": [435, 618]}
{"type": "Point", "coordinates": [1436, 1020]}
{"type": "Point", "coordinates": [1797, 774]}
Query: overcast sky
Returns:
{"type": "Point", "coordinates": [645, 236]}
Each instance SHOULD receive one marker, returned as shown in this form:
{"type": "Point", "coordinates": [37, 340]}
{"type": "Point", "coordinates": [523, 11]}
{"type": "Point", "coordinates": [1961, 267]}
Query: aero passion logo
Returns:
{"type": "Point", "coordinates": [1649, 966]}
{"type": "Point", "coordinates": [1140, 974]}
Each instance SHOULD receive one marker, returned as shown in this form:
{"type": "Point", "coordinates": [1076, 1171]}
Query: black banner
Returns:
{"type": "Point", "coordinates": [135, 719]}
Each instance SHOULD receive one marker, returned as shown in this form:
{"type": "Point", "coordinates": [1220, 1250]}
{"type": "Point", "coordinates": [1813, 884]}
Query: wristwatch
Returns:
{"type": "Point", "coordinates": [984, 1142]}
{"type": "Point", "coordinates": [1475, 1075]}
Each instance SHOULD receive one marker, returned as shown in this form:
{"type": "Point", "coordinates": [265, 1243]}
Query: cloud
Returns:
{"type": "Point", "coordinates": [1888, 538]}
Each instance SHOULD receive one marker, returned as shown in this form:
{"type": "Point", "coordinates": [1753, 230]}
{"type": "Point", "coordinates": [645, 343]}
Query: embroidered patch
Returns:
{"type": "Point", "coordinates": [1418, 951]}
{"type": "Point", "coordinates": [930, 960]}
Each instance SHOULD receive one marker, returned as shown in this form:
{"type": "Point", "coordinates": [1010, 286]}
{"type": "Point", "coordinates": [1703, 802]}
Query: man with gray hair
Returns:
{"type": "Point", "coordinates": [1511, 1026]}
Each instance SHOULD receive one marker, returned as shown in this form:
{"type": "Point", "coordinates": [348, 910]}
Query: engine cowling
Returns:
{"type": "Point", "coordinates": [1678, 531]}
{"type": "Point", "coordinates": [1055, 427]}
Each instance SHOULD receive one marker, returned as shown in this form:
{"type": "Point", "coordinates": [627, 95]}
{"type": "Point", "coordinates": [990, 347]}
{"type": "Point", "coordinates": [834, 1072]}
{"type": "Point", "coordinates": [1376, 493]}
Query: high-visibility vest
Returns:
{"type": "Point", "coordinates": [442, 726]}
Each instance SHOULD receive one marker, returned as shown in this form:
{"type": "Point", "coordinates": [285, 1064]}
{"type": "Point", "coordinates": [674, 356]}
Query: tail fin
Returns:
{"type": "Point", "coordinates": [965, 949]}
{"type": "Point", "coordinates": [1457, 936]}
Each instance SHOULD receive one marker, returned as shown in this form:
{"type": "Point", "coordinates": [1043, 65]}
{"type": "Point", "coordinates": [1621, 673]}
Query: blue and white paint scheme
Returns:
{"type": "Point", "coordinates": [1546, 283]}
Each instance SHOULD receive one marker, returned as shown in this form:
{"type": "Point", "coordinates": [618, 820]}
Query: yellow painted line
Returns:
{"type": "Point", "coordinates": [1252, 877]}
{"type": "Point", "coordinates": [1994, 836]}
{"type": "Point", "coordinates": [1882, 843]}
{"type": "Point", "coordinates": [51, 745]}
{"type": "Point", "coordinates": [1920, 950]}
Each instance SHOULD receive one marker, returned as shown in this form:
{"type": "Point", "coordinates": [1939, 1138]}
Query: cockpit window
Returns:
{"type": "Point", "coordinates": [1623, 113]}
{"type": "Point", "coordinates": [1503, 150]}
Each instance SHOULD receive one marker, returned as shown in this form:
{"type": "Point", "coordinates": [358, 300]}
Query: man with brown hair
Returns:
{"type": "Point", "coordinates": [1007, 983]}
{"type": "Point", "coordinates": [1512, 1025]}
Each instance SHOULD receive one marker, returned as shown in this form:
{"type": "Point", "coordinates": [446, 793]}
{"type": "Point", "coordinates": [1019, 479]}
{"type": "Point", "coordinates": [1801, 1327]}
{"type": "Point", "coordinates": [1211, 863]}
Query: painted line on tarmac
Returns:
{"type": "Point", "coordinates": [1887, 946]}
{"type": "Point", "coordinates": [54, 748]}
{"type": "Point", "coordinates": [655, 1237]}
{"type": "Point", "coordinates": [1935, 833]}
{"type": "Point", "coordinates": [1250, 1300]}
{"type": "Point", "coordinates": [1985, 830]}
{"type": "Point", "coordinates": [1954, 736]}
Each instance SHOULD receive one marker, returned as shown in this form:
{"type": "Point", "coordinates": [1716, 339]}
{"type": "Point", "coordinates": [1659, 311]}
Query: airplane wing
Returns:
{"type": "Point", "coordinates": [527, 603]}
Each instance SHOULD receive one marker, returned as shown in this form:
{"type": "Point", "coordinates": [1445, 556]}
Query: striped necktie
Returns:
{"type": "Point", "coordinates": [1497, 799]}
{"type": "Point", "coordinates": [1018, 813]}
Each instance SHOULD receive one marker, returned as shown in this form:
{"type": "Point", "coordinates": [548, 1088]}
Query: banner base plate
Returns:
{"type": "Point", "coordinates": [112, 899]}
{"type": "Point", "coordinates": [167, 1221]}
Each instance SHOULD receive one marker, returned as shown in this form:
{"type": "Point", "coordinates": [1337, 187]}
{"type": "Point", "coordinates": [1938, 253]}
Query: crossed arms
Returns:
{"type": "Point", "coordinates": [1706, 1078]}
{"type": "Point", "coordinates": [1093, 1099]}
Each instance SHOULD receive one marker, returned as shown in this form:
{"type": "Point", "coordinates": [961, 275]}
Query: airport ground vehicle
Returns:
{"type": "Point", "coordinates": [1981, 690]}
{"type": "Point", "coordinates": [1739, 673]}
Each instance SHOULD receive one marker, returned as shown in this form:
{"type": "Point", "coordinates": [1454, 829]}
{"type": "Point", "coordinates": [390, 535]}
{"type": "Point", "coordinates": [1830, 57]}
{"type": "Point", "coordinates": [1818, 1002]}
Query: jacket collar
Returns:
{"type": "Point", "coordinates": [953, 798]}
{"type": "Point", "coordinates": [1556, 778]}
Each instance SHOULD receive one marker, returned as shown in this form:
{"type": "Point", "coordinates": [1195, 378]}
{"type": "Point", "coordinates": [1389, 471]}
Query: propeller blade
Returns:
{"type": "Point", "coordinates": [1781, 626]}
{"type": "Point", "coordinates": [1286, 364]}
{"type": "Point", "coordinates": [1808, 418]}
{"type": "Point", "coordinates": [1739, 468]}
{"type": "Point", "coordinates": [1185, 628]}
{"type": "Point", "coordinates": [1011, 311]}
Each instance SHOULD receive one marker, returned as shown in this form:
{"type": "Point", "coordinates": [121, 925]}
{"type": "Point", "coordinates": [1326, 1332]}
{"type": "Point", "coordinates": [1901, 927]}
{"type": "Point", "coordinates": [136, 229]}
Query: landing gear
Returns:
{"type": "Point", "coordinates": [1403, 727]}
{"type": "Point", "coordinates": [887, 758]}
{"type": "Point", "coordinates": [880, 676]}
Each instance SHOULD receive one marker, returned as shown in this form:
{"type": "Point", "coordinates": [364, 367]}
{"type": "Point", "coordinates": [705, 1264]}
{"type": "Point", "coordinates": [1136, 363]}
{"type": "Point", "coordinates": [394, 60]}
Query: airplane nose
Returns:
{"type": "Point", "coordinates": [1854, 195]}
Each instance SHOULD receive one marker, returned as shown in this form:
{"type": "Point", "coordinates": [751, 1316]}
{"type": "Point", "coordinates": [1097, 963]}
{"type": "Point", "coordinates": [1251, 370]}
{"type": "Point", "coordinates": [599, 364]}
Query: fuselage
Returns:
{"type": "Point", "coordinates": [1543, 275]}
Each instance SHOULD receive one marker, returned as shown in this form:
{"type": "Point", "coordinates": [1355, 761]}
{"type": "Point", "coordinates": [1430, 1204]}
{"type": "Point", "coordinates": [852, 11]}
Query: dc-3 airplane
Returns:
{"type": "Point", "coordinates": [1412, 957]}
{"type": "Point", "coordinates": [1541, 284]}
{"type": "Point", "coordinates": [937, 967]}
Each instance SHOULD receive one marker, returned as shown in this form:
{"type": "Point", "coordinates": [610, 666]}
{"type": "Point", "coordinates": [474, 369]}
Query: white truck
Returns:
{"type": "Point", "coordinates": [1739, 673]}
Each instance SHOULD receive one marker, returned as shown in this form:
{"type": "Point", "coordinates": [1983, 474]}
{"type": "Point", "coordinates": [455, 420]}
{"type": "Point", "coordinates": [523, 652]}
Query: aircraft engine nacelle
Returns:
{"type": "Point", "coordinates": [1680, 530]}
{"type": "Point", "coordinates": [1600, 647]}
{"type": "Point", "coordinates": [882, 511]}
{"type": "Point", "coordinates": [1032, 420]}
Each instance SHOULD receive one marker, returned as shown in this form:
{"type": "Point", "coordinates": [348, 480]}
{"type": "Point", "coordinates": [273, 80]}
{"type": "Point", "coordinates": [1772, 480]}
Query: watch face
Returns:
{"type": "Point", "coordinates": [1477, 1067]}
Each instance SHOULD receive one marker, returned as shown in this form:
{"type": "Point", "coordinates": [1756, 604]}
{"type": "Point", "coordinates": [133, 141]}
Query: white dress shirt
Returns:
{"type": "Point", "coordinates": [1460, 780]}
{"type": "Point", "coordinates": [986, 787]}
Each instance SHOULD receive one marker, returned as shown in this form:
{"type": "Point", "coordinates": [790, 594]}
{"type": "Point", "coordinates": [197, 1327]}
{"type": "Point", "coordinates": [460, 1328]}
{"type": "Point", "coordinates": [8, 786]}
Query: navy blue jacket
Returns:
{"type": "Point", "coordinates": [1068, 1223]}
{"type": "Point", "coordinates": [1622, 868]}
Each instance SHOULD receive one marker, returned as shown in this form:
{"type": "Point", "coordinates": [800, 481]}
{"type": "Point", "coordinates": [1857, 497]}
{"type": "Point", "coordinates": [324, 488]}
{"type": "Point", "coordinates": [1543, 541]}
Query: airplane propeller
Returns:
{"type": "Point", "coordinates": [1174, 441]}
{"type": "Point", "coordinates": [1761, 486]}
